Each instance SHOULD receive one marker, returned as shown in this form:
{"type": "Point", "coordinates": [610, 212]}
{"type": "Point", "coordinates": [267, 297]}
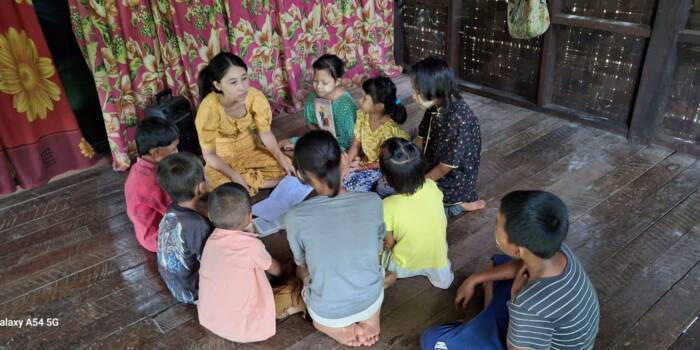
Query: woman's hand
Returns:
{"type": "Point", "coordinates": [237, 178]}
{"type": "Point", "coordinates": [287, 166]}
{"type": "Point", "coordinates": [355, 165]}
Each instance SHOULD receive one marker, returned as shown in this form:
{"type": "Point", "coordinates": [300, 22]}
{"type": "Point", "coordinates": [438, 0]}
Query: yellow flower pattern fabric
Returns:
{"type": "Point", "coordinates": [39, 135]}
{"type": "Point", "coordinates": [137, 47]}
{"type": "Point", "coordinates": [26, 76]}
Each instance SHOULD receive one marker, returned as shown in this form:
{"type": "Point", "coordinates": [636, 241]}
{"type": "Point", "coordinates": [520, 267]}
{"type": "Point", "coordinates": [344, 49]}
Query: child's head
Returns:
{"type": "Point", "coordinates": [181, 175]}
{"type": "Point", "coordinates": [403, 165]}
{"type": "Point", "coordinates": [328, 74]}
{"type": "Point", "coordinates": [433, 83]}
{"type": "Point", "coordinates": [531, 221]}
{"type": "Point", "coordinates": [229, 207]}
{"type": "Point", "coordinates": [317, 160]}
{"type": "Point", "coordinates": [380, 97]}
{"type": "Point", "coordinates": [156, 138]}
{"type": "Point", "coordinates": [225, 74]}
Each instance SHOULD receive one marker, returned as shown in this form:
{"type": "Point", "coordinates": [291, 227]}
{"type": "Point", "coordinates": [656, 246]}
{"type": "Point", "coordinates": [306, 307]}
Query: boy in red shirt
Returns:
{"type": "Point", "coordinates": [146, 202]}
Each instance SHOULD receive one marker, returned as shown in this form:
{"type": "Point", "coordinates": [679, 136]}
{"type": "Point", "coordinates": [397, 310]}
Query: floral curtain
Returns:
{"type": "Point", "coordinates": [39, 135]}
{"type": "Point", "coordinates": [137, 47]}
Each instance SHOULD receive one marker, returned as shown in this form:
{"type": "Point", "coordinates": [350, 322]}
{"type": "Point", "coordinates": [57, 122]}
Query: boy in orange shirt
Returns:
{"type": "Point", "coordinates": [236, 301]}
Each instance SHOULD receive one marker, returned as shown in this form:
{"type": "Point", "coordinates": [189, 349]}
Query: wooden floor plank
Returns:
{"type": "Point", "coordinates": [625, 308]}
{"type": "Point", "coordinates": [690, 337]}
{"type": "Point", "coordinates": [616, 235]}
{"type": "Point", "coordinates": [663, 323]}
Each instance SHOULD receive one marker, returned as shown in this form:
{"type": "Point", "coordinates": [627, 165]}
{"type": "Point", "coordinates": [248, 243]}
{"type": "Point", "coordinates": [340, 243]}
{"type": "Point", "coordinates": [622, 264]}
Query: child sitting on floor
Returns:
{"type": "Point", "coordinates": [416, 225]}
{"type": "Point", "coordinates": [449, 136]}
{"type": "Point", "coordinates": [537, 296]}
{"type": "Point", "coordinates": [234, 126]}
{"type": "Point", "coordinates": [336, 238]}
{"type": "Point", "coordinates": [146, 202]}
{"type": "Point", "coordinates": [236, 301]}
{"type": "Point", "coordinates": [183, 230]}
{"type": "Point", "coordinates": [377, 121]}
{"type": "Point", "coordinates": [328, 78]}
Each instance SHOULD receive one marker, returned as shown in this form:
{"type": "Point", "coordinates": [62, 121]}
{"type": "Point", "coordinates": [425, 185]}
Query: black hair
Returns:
{"type": "Point", "coordinates": [434, 79]}
{"type": "Point", "coordinates": [229, 206]}
{"type": "Point", "coordinates": [382, 90]}
{"type": "Point", "coordinates": [332, 63]}
{"type": "Point", "coordinates": [318, 153]}
{"type": "Point", "coordinates": [403, 165]}
{"type": "Point", "coordinates": [536, 220]}
{"type": "Point", "coordinates": [179, 175]}
{"type": "Point", "coordinates": [154, 132]}
{"type": "Point", "coordinates": [215, 71]}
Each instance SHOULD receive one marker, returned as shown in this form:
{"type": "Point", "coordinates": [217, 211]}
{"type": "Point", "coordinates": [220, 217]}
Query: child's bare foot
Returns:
{"type": "Point", "coordinates": [371, 329]}
{"type": "Point", "coordinates": [345, 335]}
{"type": "Point", "coordinates": [474, 206]}
{"type": "Point", "coordinates": [389, 279]}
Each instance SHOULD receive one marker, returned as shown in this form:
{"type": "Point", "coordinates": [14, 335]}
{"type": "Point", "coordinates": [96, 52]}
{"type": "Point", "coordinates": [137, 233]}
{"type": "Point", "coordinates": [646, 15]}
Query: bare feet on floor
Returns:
{"type": "Point", "coordinates": [474, 206]}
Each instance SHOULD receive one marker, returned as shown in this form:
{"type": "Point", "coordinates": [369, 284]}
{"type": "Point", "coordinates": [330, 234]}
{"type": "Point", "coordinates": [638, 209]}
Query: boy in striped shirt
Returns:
{"type": "Point", "coordinates": [536, 297]}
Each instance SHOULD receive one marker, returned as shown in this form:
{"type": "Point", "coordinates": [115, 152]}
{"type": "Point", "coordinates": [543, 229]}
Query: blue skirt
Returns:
{"type": "Point", "coordinates": [488, 330]}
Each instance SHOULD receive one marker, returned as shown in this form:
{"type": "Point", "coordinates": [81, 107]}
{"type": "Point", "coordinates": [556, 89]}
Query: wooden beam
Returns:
{"type": "Point", "coordinates": [454, 18]}
{"type": "Point", "coordinates": [689, 36]}
{"type": "Point", "coordinates": [607, 25]}
{"type": "Point", "coordinates": [657, 73]}
{"type": "Point", "coordinates": [399, 33]}
{"type": "Point", "coordinates": [549, 56]}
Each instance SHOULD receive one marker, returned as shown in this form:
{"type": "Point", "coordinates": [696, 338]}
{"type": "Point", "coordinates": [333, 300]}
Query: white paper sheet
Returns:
{"type": "Point", "coordinates": [289, 192]}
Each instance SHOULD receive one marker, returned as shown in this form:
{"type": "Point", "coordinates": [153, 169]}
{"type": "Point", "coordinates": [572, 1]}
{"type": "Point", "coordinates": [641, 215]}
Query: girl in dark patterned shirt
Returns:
{"type": "Point", "coordinates": [449, 135]}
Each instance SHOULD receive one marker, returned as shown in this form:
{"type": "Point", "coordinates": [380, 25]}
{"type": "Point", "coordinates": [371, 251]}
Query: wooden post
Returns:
{"type": "Point", "coordinates": [657, 73]}
{"type": "Point", "coordinates": [399, 47]}
{"type": "Point", "coordinates": [549, 56]}
{"type": "Point", "coordinates": [454, 18]}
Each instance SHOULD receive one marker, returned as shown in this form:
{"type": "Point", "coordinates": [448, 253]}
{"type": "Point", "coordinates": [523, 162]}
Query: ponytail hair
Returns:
{"type": "Point", "coordinates": [382, 90]}
{"type": "Point", "coordinates": [318, 153]}
{"type": "Point", "coordinates": [215, 71]}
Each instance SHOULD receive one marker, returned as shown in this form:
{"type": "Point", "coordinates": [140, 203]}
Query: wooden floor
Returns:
{"type": "Point", "coordinates": [67, 250]}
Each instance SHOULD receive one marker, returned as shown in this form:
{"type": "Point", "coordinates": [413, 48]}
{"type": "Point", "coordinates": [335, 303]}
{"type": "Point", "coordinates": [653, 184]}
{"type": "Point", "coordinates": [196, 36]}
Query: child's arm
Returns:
{"type": "Point", "coordinates": [311, 127]}
{"type": "Point", "coordinates": [418, 141]}
{"type": "Point", "coordinates": [214, 161]}
{"type": "Point", "coordinates": [389, 240]}
{"type": "Point", "coordinates": [501, 272]}
{"type": "Point", "coordinates": [438, 172]}
{"type": "Point", "coordinates": [354, 149]}
{"type": "Point", "coordinates": [302, 272]}
{"type": "Point", "coordinates": [370, 166]}
{"type": "Point", "coordinates": [270, 142]}
{"type": "Point", "coordinates": [275, 268]}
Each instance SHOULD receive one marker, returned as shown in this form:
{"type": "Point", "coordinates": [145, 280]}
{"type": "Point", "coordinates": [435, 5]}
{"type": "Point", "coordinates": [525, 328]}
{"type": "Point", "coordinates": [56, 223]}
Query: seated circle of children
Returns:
{"type": "Point", "coordinates": [416, 225]}
{"type": "Point", "coordinates": [449, 135]}
{"type": "Point", "coordinates": [377, 121]}
{"type": "Point", "coordinates": [538, 296]}
{"type": "Point", "coordinates": [232, 119]}
{"type": "Point", "coordinates": [184, 230]}
{"type": "Point", "coordinates": [336, 238]}
{"type": "Point", "coordinates": [236, 300]}
{"type": "Point", "coordinates": [328, 73]}
{"type": "Point", "coordinates": [146, 202]}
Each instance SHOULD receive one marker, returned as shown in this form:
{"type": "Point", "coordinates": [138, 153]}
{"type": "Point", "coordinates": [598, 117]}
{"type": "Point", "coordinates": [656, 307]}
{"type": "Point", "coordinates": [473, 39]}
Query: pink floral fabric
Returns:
{"type": "Point", "coordinates": [137, 47]}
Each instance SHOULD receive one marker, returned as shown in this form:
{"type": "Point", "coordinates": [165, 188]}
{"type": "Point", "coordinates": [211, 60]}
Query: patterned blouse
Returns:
{"type": "Point", "coordinates": [452, 136]}
{"type": "Point", "coordinates": [371, 140]}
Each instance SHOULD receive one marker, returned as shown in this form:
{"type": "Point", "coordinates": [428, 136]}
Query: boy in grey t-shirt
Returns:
{"type": "Point", "coordinates": [538, 296]}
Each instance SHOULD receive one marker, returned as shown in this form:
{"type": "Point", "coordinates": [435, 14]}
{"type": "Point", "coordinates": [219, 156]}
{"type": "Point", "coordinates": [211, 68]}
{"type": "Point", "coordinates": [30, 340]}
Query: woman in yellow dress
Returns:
{"type": "Point", "coordinates": [234, 127]}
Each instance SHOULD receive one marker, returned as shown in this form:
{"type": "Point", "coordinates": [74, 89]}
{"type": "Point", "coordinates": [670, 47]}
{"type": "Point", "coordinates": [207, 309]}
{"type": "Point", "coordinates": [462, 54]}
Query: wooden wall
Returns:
{"type": "Point", "coordinates": [632, 67]}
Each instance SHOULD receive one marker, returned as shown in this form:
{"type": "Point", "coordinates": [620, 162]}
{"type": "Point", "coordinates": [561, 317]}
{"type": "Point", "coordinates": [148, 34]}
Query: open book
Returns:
{"type": "Point", "coordinates": [324, 114]}
{"type": "Point", "coordinates": [270, 211]}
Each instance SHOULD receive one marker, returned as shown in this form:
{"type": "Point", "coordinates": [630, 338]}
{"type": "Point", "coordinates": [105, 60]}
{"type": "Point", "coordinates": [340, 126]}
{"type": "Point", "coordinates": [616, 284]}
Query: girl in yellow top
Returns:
{"type": "Point", "coordinates": [377, 120]}
{"type": "Point", "coordinates": [416, 226]}
{"type": "Point", "coordinates": [233, 123]}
